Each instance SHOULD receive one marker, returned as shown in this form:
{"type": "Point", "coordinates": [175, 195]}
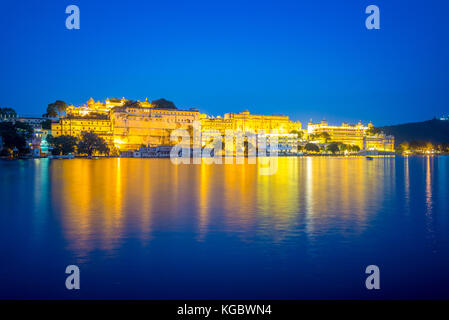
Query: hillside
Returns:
{"type": "Point", "coordinates": [435, 131]}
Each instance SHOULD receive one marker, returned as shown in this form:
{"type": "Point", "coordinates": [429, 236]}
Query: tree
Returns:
{"type": "Point", "coordinates": [62, 144]}
{"type": "Point", "coordinates": [325, 136]}
{"type": "Point", "coordinates": [131, 103]}
{"type": "Point", "coordinates": [55, 108]}
{"type": "Point", "coordinates": [14, 136]}
{"type": "Point", "coordinates": [430, 146]}
{"type": "Point", "coordinates": [333, 147]}
{"type": "Point", "coordinates": [311, 147]}
{"type": "Point", "coordinates": [418, 145]}
{"type": "Point", "coordinates": [404, 147]}
{"type": "Point", "coordinates": [373, 131]}
{"type": "Point", "coordinates": [24, 129]}
{"type": "Point", "coordinates": [299, 134]}
{"type": "Point", "coordinates": [7, 113]}
{"type": "Point", "coordinates": [322, 136]}
{"type": "Point", "coordinates": [90, 143]}
{"type": "Point", "coordinates": [46, 124]}
{"type": "Point", "coordinates": [163, 104]}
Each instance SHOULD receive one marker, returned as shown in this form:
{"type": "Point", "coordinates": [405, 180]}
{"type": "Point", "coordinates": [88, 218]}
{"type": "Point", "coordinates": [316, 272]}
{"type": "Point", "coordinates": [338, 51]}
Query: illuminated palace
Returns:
{"type": "Point", "coordinates": [128, 125]}
{"type": "Point", "coordinates": [124, 124]}
{"type": "Point", "coordinates": [357, 134]}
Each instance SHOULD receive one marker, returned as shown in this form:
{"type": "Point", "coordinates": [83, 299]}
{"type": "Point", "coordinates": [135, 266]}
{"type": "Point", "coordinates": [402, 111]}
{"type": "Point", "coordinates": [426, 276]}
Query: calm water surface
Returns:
{"type": "Point", "coordinates": [145, 228]}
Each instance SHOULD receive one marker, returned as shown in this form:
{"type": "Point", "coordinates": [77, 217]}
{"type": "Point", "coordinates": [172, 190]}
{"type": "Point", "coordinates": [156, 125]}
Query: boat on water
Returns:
{"type": "Point", "coordinates": [369, 158]}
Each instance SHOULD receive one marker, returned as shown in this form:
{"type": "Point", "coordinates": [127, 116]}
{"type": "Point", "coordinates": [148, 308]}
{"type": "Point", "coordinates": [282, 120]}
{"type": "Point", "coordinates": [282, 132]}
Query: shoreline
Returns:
{"type": "Point", "coordinates": [282, 156]}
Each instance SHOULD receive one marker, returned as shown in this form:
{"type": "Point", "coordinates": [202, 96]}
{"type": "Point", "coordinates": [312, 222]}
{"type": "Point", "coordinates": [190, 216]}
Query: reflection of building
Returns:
{"type": "Point", "coordinates": [357, 134]}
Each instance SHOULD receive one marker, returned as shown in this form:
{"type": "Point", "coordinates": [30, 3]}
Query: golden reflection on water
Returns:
{"type": "Point", "coordinates": [105, 202]}
{"type": "Point", "coordinates": [429, 203]}
{"type": "Point", "coordinates": [407, 183]}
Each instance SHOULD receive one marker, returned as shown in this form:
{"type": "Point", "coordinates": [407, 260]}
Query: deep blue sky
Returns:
{"type": "Point", "coordinates": [307, 59]}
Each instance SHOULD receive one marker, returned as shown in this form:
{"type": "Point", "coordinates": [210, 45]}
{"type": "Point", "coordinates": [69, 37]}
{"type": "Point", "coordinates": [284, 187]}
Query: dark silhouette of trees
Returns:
{"type": "Point", "coordinates": [131, 103]}
{"type": "Point", "coordinates": [299, 134]}
{"type": "Point", "coordinates": [373, 131]}
{"type": "Point", "coordinates": [7, 113]}
{"type": "Point", "coordinates": [55, 108]}
{"type": "Point", "coordinates": [163, 104]}
{"type": "Point", "coordinates": [323, 136]}
{"type": "Point", "coordinates": [333, 147]}
{"type": "Point", "coordinates": [90, 144]}
{"type": "Point", "coordinates": [15, 136]}
{"type": "Point", "coordinates": [311, 147]}
{"type": "Point", "coordinates": [62, 145]}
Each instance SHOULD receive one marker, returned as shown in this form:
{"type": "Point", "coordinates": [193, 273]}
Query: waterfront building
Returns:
{"type": "Point", "coordinates": [74, 126]}
{"type": "Point", "coordinates": [209, 123]}
{"type": "Point", "coordinates": [246, 122]}
{"type": "Point", "coordinates": [271, 126]}
{"type": "Point", "coordinates": [353, 134]}
{"type": "Point", "coordinates": [38, 144]}
{"type": "Point", "coordinates": [128, 125]}
{"type": "Point", "coordinates": [33, 122]}
{"type": "Point", "coordinates": [380, 142]}
{"type": "Point", "coordinates": [285, 143]}
{"type": "Point", "coordinates": [125, 124]}
{"type": "Point", "coordinates": [144, 124]}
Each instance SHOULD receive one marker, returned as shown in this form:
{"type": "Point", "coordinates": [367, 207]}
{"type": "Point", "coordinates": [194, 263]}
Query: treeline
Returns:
{"type": "Point", "coordinates": [421, 137]}
{"type": "Point", "coordinates": [14, 137]}
{"type": "Point", "coordinates": [422, 147]}
{"type": "Point", "coordinates": [333, 147]}
{"type": "Point", "coordinates": [88, 144]}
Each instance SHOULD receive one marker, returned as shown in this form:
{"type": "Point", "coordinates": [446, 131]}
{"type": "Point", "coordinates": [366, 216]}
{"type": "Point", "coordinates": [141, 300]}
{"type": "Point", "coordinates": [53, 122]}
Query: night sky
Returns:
{"type": "Point", "coordinates": [306, 59]}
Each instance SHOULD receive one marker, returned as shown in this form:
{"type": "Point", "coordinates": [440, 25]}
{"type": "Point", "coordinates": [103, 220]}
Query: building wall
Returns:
{"type": "Point", "coordinates": [136, 126]}
{"type": "Point", "coordinates": [75, 126]}
{"type": "Point", "coordinates": [219, 124]}
{"type": "Point", "coordinates": [380, 143]}
{"type": "Point", "coordinates": [125, 127]}
{"type": "Point", "coordinates": [353, 134]}
{"type": "Point", "coordinates": [244, 121]}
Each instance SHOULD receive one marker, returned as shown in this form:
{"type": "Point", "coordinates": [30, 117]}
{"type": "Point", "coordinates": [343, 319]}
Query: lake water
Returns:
{"type": "Point", "coordinates": [145, 228]}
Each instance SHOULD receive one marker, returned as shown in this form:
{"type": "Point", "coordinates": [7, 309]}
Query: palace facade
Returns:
{"type": "Point", "coordinates": [246, 122]}
{"type": "Point", "coordinates": [128, 125]}
{"type": "Point", "coordinates": [353, 134]}
{"type": "Point", "coordinates": [125, 124]}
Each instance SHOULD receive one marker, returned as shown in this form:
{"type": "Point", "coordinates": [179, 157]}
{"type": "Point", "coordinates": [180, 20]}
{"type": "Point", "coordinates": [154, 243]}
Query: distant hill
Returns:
{"type": "Point", "coordinates": [435, 131]}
